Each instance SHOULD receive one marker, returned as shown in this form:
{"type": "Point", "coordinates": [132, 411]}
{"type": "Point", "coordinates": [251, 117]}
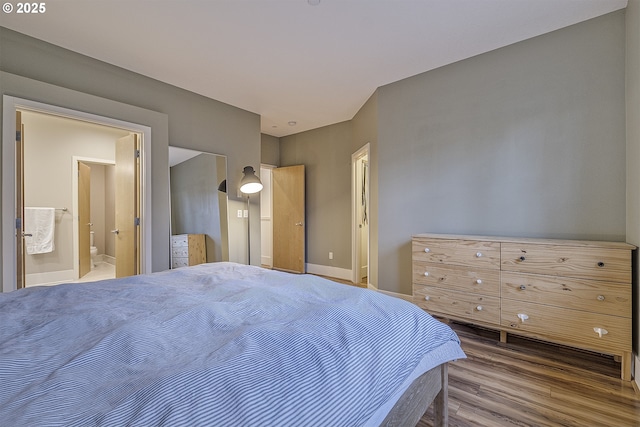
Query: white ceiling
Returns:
{"type": "Point", "coordinates": [287, 60]}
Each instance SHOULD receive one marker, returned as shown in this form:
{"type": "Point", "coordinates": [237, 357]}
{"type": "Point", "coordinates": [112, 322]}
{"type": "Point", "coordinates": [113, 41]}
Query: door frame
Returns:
{"type": "Point", "coordinates": [10, 104]}
{"type": "Point", "coordinates": [355, 241]}
{"type": "Point", "coordinates": [266, 216]}
{"type": "Point", "coordinates": [75, 200]}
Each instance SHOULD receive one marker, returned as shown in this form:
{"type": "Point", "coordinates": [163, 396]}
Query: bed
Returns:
{"type": "Point", "coordinates": [219, 344]}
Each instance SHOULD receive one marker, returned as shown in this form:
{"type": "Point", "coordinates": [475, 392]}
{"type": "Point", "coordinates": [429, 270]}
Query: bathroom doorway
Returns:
{"type": "Point", "coordinates": [94, 197]}
{"type": "Point", "coordinates": [58, 151]}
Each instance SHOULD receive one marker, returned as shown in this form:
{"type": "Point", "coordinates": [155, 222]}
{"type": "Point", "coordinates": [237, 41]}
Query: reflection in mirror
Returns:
{"type": "Point", "coordinates": [198, 207]}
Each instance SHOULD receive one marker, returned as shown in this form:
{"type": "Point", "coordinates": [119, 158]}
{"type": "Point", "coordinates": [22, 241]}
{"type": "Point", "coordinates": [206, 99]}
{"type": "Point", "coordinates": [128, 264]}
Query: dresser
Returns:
{"type": "Point", "coordinates": [570, 292]}
{"type": "Point", "coordinates": [188, 249]}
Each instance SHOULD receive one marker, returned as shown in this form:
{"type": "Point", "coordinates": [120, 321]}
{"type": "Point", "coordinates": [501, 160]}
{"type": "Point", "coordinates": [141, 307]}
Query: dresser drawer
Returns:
{"type": "Point", "coordinates": [569, 327]}
{"type": "Point", "coordinates": [466, 306]}
{"type": "Point", "coordinates": [180, 240]}
{"type": "Point", "coordinates": [572, 261]}
{"type": "Point", "coordinates": [579, 294]}
{"type": "Point", "coordinates": [485, 282]}
{"type": "Point", "coordinates": [467, 253]}
{"type": "Point", "coordinates": [180, 251]}
{"type": "Point", "coordinates": [177, 262]}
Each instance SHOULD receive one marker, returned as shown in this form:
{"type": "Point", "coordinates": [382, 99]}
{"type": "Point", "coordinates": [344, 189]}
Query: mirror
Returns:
{"type": "Point", "coordinates": [197, 182]}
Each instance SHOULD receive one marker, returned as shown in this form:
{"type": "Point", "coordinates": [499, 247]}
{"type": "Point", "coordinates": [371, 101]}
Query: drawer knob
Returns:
{"type": "Point", "coordinates": [522, 317]}
{"type": "Point", "coordinates": [523, 287]}
{"type": "Point", "coordinates": [427, 298]}
{"type": "Point", "coordinates": [600, 331]}
{"type": "Point", "coordinates": [426, 273]}
{"type": "Point", "coordinates": [479, 308]}
{"type": "Point", "coordinates": [479, 281]}
{"type": "Point", "coordinates": [522, 258]}
{"type": "Point", "coordinates": [427, 250]}
{"type": "Point", "coordinates": [601, 264]}
{"type": "Point", "coordinates": [478, 254]}
{"type": "Point", "coordinates": [600, 297]}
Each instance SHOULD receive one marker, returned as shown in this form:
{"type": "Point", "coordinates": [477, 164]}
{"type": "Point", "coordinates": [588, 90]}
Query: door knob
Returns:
{"type": "Point", "coordinates": [116, 231]}
{"type": "Point", "coordinates": [27, 235]}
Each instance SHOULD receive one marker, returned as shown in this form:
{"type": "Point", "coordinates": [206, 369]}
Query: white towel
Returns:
{"type": "Point", "coordinates": [40, 224]}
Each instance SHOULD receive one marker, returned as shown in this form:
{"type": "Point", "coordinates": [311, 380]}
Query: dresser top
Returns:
{"type": "Point", "coordinates": [592, 243]}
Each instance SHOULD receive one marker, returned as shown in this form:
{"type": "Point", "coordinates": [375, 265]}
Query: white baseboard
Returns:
{"type": "Point", "coordinates": [325, 270]}
{"type": "Point", "coordinates": [265, 260]}
{"type": "Point", "coordinates": [106, 258]}
{"type": "Point", "coordinates": [49, 278]}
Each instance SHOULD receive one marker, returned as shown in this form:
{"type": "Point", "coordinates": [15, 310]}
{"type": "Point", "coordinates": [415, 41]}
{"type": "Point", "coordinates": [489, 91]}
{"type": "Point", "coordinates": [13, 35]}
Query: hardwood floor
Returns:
{"type": "Point", "coordinates": [529, 383]}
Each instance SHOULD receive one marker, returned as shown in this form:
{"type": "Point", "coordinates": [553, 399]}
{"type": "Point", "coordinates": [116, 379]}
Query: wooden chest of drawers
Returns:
{"type": "Point", "coordinates": [570, 292]}
{"type": "Point", "coordinates": [188, 249]}
{"type": "Point", "coordinates": [458, 278]}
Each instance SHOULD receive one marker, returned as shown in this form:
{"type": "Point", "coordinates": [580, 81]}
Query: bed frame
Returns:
{"type": "Point", "coordinates": [430, 387]}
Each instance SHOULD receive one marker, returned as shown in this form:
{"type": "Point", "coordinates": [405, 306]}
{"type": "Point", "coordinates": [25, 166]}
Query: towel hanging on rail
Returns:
{"type": "Point", "coordinates": [39, 229]}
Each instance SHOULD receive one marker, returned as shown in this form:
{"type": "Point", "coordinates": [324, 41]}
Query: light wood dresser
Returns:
{"type": "Point", "coordinates": [188, 249]}
{"type": "Point", "coordinates": [570, 292]}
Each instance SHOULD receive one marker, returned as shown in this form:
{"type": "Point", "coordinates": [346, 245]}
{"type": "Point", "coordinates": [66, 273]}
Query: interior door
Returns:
{"type": "Point", "coordinates": [289, 219]}
{"type": "Point", "coordinates": [20, 250]}
{"type": "Point", "coordinates": [84, 218]}
{"type": "Point", "coordinates": [127, 217]}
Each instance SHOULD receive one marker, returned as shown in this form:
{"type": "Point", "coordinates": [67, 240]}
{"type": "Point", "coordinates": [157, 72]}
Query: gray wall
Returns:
{"type": "Point", "coordinates": [270, 150]}
{"type": "Point", "coordinates": [633, 151]}
{"type": "Point", "coordinates": [192, 121]}
{"type": "Point", "coordinates": [527, 140]}
{"type": "Point", "coordinates": [194, 202]}
{"type": "Point", "coordinates": [326, 154]}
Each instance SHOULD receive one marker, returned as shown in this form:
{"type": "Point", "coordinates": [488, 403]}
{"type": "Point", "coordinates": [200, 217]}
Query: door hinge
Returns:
{"type": "Point", "coordinates": [18, 223]}
{"type": "Point", "coordinates": [18, 136]}
{"type": "Point", "coordinates": [136, 222]}
{"type": "Point", "coordinates": [137, 154]}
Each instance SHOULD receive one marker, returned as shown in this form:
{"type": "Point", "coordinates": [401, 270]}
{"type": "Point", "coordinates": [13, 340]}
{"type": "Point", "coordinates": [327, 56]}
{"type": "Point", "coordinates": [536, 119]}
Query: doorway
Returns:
{"type": "Point", "coordinates": [93, 200]}
{"type": "Point", "coordinates": [360, 209]}
{"type": "Point", "coordinates": [89, 195]}
{"type": "Point", "coordinates": [66, 211]}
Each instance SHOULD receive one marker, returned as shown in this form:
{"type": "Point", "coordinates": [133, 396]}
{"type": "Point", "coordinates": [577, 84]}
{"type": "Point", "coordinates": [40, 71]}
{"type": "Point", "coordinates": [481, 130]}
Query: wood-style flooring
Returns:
{"type": "Point", "coordinates": [529, 383]}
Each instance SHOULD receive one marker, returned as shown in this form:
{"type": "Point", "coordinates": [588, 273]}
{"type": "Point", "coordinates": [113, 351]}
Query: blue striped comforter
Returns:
{"type": "Point", "coordinates": [212, 345]}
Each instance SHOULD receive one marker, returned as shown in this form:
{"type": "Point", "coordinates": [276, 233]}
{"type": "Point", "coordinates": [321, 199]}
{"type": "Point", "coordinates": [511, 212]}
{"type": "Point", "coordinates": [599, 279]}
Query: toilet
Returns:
{"type": "Point", "coordinates": [93, 249]}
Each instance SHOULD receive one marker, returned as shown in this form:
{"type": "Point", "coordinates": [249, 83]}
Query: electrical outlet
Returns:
{"type": "Point", "coordinates": [246, 213]}
{"type": "Point", "coordinates": [239, 213]}
{"type": "Point", "coordinates": [330, 255]}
